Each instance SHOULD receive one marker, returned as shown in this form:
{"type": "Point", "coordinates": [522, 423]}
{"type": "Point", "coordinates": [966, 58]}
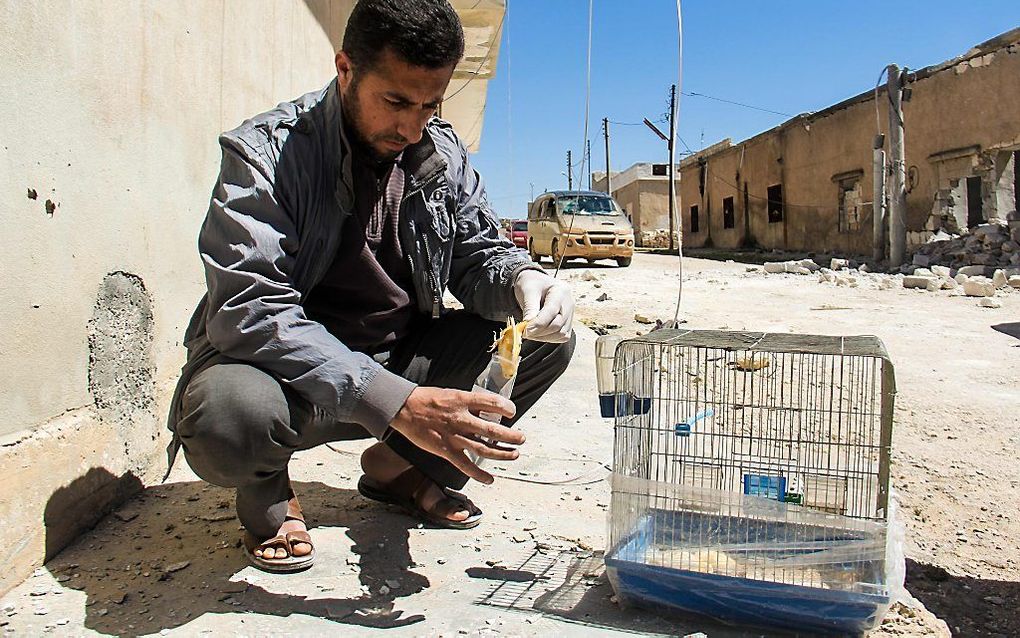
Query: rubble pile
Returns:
{"type": "Point", "coordinates": [658, 238]}
{"type": "Point", "coordinates": [996, 243]}
{"type": "Point", "coordinates": [972, 280]}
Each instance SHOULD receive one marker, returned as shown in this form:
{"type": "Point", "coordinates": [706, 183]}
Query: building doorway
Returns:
{"type": "Point", "coordinates": [975, 214]}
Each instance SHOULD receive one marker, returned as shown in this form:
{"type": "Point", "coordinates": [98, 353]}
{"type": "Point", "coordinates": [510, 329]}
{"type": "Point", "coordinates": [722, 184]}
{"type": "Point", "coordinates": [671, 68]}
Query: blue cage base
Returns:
{"type": "Point", "coordinates": [730, 599]}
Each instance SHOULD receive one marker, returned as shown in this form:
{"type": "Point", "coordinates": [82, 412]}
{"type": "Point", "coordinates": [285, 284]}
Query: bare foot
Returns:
{"type": "Point", "coordinates": [382, 464]}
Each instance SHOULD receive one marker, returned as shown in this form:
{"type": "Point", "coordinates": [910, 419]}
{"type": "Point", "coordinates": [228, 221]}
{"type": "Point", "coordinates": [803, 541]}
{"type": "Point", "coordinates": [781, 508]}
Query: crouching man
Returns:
{"type": "Point", "coordinates": [336, 224]}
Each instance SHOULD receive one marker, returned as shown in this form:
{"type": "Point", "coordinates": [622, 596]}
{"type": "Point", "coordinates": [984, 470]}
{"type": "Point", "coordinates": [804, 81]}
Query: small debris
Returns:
{"type": "Point", "coordinates": [518, 538]}
{"type": "Point", "coordinates": [176, 567]}
{"type": "Point", "coordinates": [125, 516]}
{"type": "Point", "coordinates": [589, 276]}
{"type": "Point", "coordinates": [988, 302]}
{"type": "Point", "coordinates": [384, 590]}
{"type": "Point", "coordinates": [50, 208]}
{"type": "Point", "coordinates": [392, 584]}
{"type": "Point", "coordinates": [640, 318]}
{"type": "Point", "coordinates": [602, 297]}
{"type": "Point", "coordinates": [32, 194]}
{"type": "Point", "coordinates": [216, 518]}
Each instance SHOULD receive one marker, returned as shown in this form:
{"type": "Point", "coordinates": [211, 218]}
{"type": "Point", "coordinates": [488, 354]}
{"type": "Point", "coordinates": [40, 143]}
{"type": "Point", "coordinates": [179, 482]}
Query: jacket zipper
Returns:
{"type": "Point", "coordinates": [430, 275]}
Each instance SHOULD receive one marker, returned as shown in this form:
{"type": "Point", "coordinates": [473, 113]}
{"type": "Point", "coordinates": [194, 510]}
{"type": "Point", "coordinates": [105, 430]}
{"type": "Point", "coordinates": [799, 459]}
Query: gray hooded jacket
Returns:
{"type": "Point", "coordinates": [283, 194]}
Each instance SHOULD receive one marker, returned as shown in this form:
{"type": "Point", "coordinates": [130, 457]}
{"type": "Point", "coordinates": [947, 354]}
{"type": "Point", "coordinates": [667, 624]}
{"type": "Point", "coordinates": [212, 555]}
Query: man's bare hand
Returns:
{"type": "Point", "coordinates": [446, 423]}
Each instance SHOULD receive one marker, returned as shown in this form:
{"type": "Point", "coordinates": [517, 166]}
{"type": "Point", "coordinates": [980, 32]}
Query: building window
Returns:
{"type": "Point", "coordinates": [849, 205]}
{"type": "Point", "coordinates": [774, 195]}
{"type": "Point", "coordinates": [659, 170]}
{"type": "Point", "coordinates": [695, 223]}
{"type": "Point", "coordinates": [728, 220]}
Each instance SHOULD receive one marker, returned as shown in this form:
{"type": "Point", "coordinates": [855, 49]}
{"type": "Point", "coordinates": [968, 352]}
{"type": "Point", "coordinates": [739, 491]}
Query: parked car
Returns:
{"type": "Point", "coordinates": [579, 224]}
{"type": "Point", "coordinates": [519, 232]}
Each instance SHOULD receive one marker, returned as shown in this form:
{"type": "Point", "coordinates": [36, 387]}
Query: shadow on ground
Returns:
{"type": "Point", "coordinates": [1011, 329]}
{"type": "Point", "coordinates": [168, 556]}
{"type": "Point", "coordinates": [572, 586]}
{"type": "Point", "coordinates": [970, 606]}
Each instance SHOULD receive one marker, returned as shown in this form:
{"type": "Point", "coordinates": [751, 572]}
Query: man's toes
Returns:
{"type": "Point", "coordinates": [301, 549]}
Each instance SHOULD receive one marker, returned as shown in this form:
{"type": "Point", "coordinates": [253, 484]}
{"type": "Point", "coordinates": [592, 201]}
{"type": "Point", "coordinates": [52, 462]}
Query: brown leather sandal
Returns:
{"type": "Point", "coordinates": [405, 492]}
{"type": "Point", "coordinates": [290, 563]}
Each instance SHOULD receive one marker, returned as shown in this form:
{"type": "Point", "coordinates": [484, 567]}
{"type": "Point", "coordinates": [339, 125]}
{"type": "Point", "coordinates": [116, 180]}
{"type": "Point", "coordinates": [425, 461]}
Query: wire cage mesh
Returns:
{"type": "Point", "coordinates": [757, 464]}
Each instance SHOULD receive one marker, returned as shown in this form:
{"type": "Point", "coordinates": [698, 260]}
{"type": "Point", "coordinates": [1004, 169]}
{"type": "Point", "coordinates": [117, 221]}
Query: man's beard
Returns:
{"type": "Point", "coordinates": [352, 126]}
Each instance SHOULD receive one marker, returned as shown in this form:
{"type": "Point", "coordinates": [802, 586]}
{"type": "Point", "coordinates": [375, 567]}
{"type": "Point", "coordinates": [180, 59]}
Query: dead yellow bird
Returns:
{"type": "Point", "coordinates": [508, 346]}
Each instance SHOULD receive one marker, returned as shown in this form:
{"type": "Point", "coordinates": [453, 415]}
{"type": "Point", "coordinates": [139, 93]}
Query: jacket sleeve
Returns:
{"type": "Point", "coordinates": [248, 243]}
{"type": "Point", "coordinates": [485, 264]}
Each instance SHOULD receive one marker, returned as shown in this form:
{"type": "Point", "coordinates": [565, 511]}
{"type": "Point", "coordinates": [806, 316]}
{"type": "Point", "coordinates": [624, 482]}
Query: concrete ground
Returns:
{"type": "Point", "coordinates": [169, 561]}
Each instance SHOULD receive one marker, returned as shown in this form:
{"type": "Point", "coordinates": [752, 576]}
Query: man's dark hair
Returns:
{"type": "Point", "coordinates": [425, 33]}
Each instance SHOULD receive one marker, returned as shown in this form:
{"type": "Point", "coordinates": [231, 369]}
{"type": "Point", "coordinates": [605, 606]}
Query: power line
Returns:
{"type": "Point", "coordinates": [474, 76]}
{"type": "Point", "coordinates": [661, 120]}
{"type": "Point", "coordinates": [746, 106]}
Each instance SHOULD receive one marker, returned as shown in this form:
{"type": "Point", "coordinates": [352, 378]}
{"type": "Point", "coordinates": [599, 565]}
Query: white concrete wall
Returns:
{"type": "Point", "coordinates": [111, 111]}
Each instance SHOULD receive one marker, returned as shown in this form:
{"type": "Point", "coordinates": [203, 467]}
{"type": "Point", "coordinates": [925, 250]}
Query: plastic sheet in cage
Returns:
{"type": "Point", "coordinates": [751, 560]}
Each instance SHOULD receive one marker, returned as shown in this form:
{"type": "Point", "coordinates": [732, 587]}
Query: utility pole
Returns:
{"type": "Point", "coordinates": [672, 169]}
{"type": "Point", "coordinates": [898, 186]}
{"type": "Point", "coordinates": [570, 173]}
{"type": "Point", "coordinates": [609, 178]}
{"type": "Point", "coordinates": [587, 156]}
{"type": "Point", "coordinates": [878, 199]}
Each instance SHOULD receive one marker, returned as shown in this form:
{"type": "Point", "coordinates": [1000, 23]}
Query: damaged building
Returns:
{"type": "Point", "coordinates": [806, 185]}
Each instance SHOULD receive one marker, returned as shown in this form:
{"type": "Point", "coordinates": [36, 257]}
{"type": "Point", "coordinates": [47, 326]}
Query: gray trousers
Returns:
{"type": "Point", "coordinates": [240, 426]}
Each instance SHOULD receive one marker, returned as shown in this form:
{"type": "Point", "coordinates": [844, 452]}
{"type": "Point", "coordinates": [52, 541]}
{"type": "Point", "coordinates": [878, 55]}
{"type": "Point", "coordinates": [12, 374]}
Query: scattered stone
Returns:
{"type": "Point", "coordinates": [972, 271]}
{"type": "Point", "coordinates": [603, 297]}
{"type": "Point", "coordinates": [441, 561]}
{"type": "Point", "coordinates": [921, 260]}
{"type": "Point", "coordinates": [775, 267]}
{"type": "Point", "coordinates": [176, 567]}
{"type": "Point", "coordinates": [978, 287]}
{"type": "Point", "coordinates": [941, 271]}
{"type": "Point", "coordinates": [839, 264]}
{"type": "Point", "coordinates": [40, 611]}
{"type": "Point", "coordinates": [999, 279]}
{"type": "Point", "coordinates": [960, 278]}
{"type": "Point", "coordinates": [640, 318]}
{"type": "Point", "coordinates": [125, 516]}
{"type": "Point", "coordinates": [589, 276]}
{"type": "Point", "coordinates": [752, 269]}
{"type": "Point", "coordinates": [392, 584]}
{"type": "Point", "coordinates": [384, 590]}
{"type": "Point", "coordinates": [988, 302]}
{"type": "Point", "coordinates": [1014, 281]}
{"type": "Point", "coordinates": [519, 538]}
{"type": "Point", "coordinates": [922, 282]}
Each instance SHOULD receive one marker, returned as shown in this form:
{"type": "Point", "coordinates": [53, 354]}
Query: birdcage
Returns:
{"type": "Point", "coordinates": [751, 478]}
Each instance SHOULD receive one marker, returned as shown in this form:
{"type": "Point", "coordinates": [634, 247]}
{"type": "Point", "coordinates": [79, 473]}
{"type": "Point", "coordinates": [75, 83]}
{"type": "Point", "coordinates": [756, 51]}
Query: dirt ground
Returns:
{"type": "Point", "coordinates": [957, 422]}
{"type": "Point", "coordinates": [168, 561]}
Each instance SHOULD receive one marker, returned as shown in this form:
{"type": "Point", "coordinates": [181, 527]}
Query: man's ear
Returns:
{"type": "Point", "coordinates": [344, 70]}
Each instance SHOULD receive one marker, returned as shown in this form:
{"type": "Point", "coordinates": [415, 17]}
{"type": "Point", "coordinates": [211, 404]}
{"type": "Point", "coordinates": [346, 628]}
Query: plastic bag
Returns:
{"type": "Point", "coordinates": [493, 379]}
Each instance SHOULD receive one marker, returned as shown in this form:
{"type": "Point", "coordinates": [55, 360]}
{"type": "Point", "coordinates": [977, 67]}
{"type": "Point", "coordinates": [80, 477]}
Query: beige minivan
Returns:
{"type": "Point", "coordinates": [579, 224]}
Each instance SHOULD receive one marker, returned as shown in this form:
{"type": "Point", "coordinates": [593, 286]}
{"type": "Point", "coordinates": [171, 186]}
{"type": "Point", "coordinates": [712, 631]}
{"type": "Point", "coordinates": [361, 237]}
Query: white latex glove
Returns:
{"type": "Point", "coordinates": [547, 304]}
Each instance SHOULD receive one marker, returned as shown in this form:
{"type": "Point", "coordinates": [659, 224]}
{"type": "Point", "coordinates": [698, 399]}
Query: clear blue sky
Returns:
{"type": "Point", "coordinates": [792, 56]}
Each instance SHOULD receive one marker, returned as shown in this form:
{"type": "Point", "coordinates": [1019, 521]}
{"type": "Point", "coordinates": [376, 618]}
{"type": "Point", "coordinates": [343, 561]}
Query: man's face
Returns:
{"type": "Point", "coordinates": [387, 107]}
